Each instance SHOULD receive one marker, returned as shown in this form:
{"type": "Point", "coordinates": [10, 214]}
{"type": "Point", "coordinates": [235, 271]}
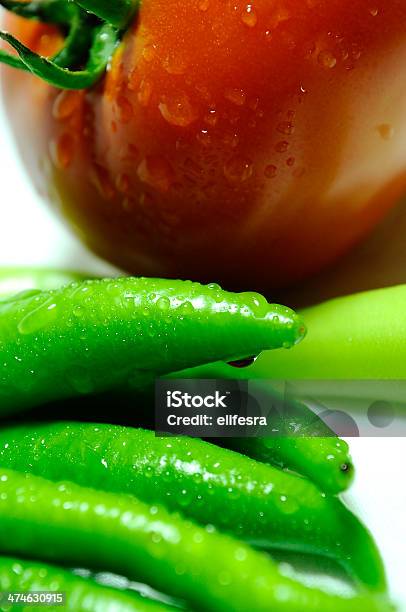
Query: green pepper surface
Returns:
{"type": "Point", "coordinates": [76, 525]}
{"type": "Point", "coordinates": [360, 336]}
{"type": "Point", "coordinates": [325, 460]}
{"type": "Point", "coordinates": [301, 442]}
{"type": "Point", "coordinates": [256, 502]}
{"type": "Point", "coordinates": [98, 335]}
{"type": "Point", "coordinates": [81, 595]}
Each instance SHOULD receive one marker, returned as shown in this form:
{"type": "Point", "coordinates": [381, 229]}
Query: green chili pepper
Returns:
{"type": "Point", "coordinates": [259, 503]}
{"type": "Point", "coordinates": [359, 336]}
{"type": "Point", "coordinates": [326, 460]}
{"type": "Point", "coordinates": [81, 595]}
{"type": "Point", "coordinates": [65, 522]}
{"type": "Point", "coordinates": [301, 442]}
{"type": "Point", "coordinates": [97, 335]}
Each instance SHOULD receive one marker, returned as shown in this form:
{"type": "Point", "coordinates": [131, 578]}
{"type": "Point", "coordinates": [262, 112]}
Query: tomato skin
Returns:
{"type": "Point", "coordinates": [247, 144]}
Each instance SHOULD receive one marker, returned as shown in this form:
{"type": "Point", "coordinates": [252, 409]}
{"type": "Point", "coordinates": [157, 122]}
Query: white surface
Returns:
{"type": "Point", "coordinates": [378, 496]}
{"type": "Point", "coordinates": [30, 235]}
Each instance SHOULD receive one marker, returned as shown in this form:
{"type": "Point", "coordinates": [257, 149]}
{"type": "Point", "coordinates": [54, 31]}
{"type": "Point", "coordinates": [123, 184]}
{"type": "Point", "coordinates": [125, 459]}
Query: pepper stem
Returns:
{"type": "Point", "coordinates": [117, 13]}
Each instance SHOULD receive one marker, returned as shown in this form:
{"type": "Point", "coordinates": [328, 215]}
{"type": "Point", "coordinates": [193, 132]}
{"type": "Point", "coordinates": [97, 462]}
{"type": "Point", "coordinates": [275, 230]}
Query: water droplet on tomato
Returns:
{"type": "Point", "coordinates": [211, 117]}
{"type": "Point", "coordinates": [270, 171]}
{"type": "Point", "coordinates": [178, 110]}
{"type": "Point", "coordinates": [65, 104]}
{"type": "Point", "coordinates": [154, 170]}
{"type": "Point", "coordinates": [282, 146]}
{"type": "Point", "coordinates": [249, 17]}
{"type": "Point", "coordinates": [129, 153]}
{"type": "Point", "coordinates": [175, 64]}
{"type": "Point", "coordinates": [204, 138]}
{"type": "Point", "coordinates": [144, 93]}
{"type": "Point", "coordinates": [62, 150]}
{"type": "Point", "coordinates": [327, 59]}
{"type": "Point", "coordinates": [148, 53]}
{"type": "Point", "coordinates": [100, 178]}
{"type": "Point", "coordinates": [286, 127]}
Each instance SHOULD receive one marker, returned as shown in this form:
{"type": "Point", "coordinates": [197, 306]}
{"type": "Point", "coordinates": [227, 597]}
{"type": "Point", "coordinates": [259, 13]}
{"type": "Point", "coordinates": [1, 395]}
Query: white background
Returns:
{"type": "Point", "coordinates": [29, 234]}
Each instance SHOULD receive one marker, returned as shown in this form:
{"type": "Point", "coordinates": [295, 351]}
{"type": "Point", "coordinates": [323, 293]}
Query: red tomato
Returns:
{"type": "Point", "coordinates": [246, 143]}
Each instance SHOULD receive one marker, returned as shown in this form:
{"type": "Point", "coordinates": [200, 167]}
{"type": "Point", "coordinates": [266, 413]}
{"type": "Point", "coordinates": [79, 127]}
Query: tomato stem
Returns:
{"type": "Point", "coordinates": [48, 11]}
{"type": "Point", "coordinates": [117, 13]}
{"type": "Point", "coordinates": [91, 35]}
{"type": "Point", "coordinates": [104, 40]}
{"type": "Point", "coordinates": [69, 16]}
